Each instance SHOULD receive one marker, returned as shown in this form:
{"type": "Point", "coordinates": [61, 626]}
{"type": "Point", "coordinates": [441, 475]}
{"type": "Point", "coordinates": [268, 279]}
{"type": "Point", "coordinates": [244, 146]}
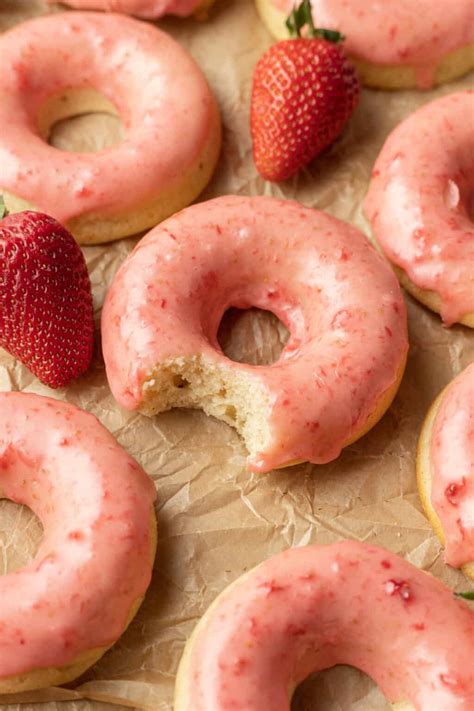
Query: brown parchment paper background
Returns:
{"type": "Point", "coordinates": [215, 519]}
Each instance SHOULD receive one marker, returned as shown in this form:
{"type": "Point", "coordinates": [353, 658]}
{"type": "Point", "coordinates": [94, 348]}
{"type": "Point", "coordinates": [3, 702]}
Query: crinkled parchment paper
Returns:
{"type": "Point", "coordinates": [215, 519]}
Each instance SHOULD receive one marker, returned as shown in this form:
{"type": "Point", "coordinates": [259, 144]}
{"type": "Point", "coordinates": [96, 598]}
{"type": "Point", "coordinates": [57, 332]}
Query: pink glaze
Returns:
{"type": "Point", "coordinates": [417, 33]}
{"type": "Point", "coordinates": [161, 95]}
{"type": "Point", "coordinates": [94, 562]}
{"type": "Point", "coordinates": [310, 608]}
{"type": "Point", "coordinates": [148, 9]}
{"type": "Point", "coordinates": [321, 277]}
{"type": "Point", "coordinates": [419, 201]}
{"type": "Point", "coordinates": [452, 463]}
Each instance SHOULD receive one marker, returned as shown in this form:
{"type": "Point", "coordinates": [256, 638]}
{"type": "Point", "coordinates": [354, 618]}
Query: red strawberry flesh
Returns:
{"type": "Point", "coordinates": [46, 313]}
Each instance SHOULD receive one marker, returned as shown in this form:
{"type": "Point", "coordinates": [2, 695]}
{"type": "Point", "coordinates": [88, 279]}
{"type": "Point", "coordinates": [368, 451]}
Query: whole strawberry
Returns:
{"type": "Point", "coordinates": [46, 317]}
{"type": "Point", "coordinates": [304, 91]}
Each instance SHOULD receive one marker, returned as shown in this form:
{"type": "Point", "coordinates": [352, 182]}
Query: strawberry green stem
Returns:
{"type": "Point", "coordinates": [466, 595]}
{"type": "Point", "coordinates": [3, 209]}
{"type": "Point", "coordinates": [301, 16]}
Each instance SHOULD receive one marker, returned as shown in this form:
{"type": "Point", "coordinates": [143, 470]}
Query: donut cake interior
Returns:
{"type": "Point", "coordinates": [236, 398]}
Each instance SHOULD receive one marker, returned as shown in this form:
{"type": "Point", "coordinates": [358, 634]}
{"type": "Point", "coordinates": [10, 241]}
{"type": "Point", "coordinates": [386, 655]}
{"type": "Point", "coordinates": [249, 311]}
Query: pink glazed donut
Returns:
{"type": "Point", "coordinates": [311, 608]}
{"type": "Point", "coordinates": [395, 44]}
{"type": "Point", "coordinates": [116, 64]}
{"type": "Point", "coordinates": [341, 366]}
{"type": "Point", "coordinates": [420, 205]}
{"type": "Point", "coordinates": [147, 9]}
{"type": "Point", "coordinates": [445, 469]}
{"type": "Point", "coordinates": [61, 612]}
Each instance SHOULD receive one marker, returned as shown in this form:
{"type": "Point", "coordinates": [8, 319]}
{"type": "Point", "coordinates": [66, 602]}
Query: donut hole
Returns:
{"type": "Point", "coordinates": [335, 688]}
{"type": "Point", "coordinates": [252, 336]}
{"type": "Point", "coordinates": [80, 121]}
{"type": "Point", "coordinates": [459, 194]}
{"type": "Point", "coordinates": [20, 536]}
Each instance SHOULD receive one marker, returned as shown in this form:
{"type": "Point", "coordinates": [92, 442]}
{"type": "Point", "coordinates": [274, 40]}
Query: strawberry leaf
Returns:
{"type": "Point", "coordinates": [329, 35]}
{"type": "Point", "coordinates": [3, 209]}
{"type": "Point", "coordinates": [302, 16]}
{"type": "Point", "coordinates": [466, 595]}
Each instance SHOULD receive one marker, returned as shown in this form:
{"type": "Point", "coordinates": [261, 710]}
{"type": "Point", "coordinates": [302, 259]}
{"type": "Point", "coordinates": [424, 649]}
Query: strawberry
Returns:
{"type": "Point", "coordinates": [304, 91]}
{"type": "Point", "coordinates": [46, 317]}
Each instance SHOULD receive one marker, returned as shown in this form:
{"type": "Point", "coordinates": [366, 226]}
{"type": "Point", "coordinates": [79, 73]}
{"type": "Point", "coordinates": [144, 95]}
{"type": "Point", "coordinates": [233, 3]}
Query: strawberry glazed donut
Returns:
{"type": "Point", "coordinates": [147, 9]}
{"type": "Point", "coordinates": [111, 63]}
{"type": "Point", "coordinates": [445, 470]}
{"type": "Point", "coordinates": [60, 613]}
{"type": "Point", "coordinates": [341, 366]}
{"type": "Point", "coordinates": [420, 205]}
{"type": "Point", "coordinates": [310, 608]}
{"type": "Point", "coordinates": [395, 44]}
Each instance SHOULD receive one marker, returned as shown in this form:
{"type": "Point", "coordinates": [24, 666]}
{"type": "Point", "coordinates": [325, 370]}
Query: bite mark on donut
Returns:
{"type": "Point", "coordinates": [234, 397]}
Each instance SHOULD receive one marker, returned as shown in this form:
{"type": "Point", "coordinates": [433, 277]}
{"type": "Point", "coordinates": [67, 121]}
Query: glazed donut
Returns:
{"type": "Point", "coordinates": [395, 45]}
{"type": "Point", "coordinates": [171, 121]}
{"type": "Point", "coordinates": [147, 9]}
{"type": "Point", "coordinates": [341, 366]}
{"type": "Point", "coordinates": [419, 207]}
{"type": "Point", "coordinates": [60, 613]}
{"type": "Point", "coordinates": [445, 470]}
{"type": "Point", "coordinates": [311, 608]}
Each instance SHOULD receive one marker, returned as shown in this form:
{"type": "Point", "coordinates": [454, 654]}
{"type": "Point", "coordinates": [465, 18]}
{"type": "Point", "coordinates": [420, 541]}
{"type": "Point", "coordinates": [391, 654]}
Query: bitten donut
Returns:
{"type": "Point", "coordinates": [112, 63]}
{"type": "Point", "coordinates": [147, 9]}
{"type": "Point", "coordinates": [399, 44]}
{"type": "Point", "coordinates": [445, 470]}
{"type": "Point", "coordinates": [60, 613]}
{"type": "Point", "coordinates": [311, 608]}
{"type": "Point", "coordinates": [419, 205]}
{"type": "Point", "coordinates": [341, 366]}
